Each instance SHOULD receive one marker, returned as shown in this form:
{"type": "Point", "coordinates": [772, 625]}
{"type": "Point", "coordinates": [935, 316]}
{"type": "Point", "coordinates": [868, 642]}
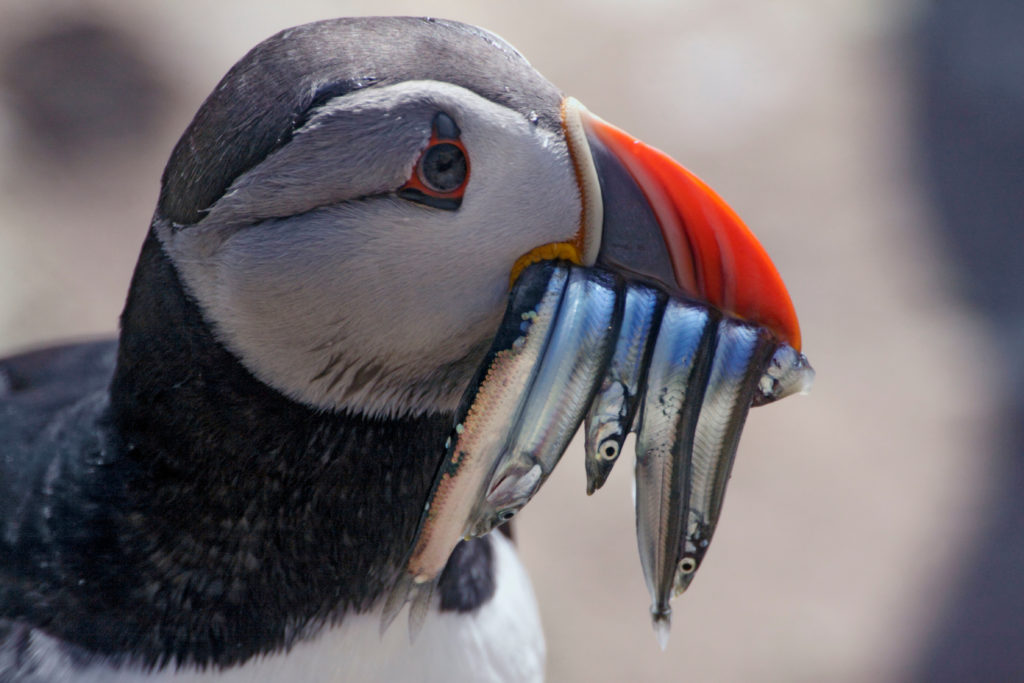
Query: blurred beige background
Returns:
{"type": "Point", "coordinates": [851, 512]}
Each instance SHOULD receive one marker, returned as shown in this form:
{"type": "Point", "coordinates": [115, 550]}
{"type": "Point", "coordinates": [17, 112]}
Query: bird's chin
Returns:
{"type": "Point", "coordinates": [379, 390]}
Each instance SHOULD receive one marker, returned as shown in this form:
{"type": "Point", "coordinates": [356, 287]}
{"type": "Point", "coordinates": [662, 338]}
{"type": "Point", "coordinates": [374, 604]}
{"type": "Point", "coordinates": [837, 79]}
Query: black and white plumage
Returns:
{"type": "Point", "coordinates": [192, 515]}
{"type": "Point", "coordinates": [229, 490]}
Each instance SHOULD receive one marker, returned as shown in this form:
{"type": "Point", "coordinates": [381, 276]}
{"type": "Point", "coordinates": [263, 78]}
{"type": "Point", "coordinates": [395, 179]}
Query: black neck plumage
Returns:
{"type": "Point", "coordinates": [246, 519]}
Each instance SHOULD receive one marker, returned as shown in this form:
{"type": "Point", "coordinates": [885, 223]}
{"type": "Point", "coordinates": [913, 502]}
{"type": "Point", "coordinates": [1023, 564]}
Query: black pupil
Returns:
{"type": "Point", "coordinates": [444, 167]}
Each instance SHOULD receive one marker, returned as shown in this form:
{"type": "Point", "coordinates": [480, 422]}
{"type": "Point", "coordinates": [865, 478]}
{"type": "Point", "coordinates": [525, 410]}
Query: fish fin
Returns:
{"type": "Point", "coordinates": [399, 595]}
{"type": "Point", "coordinates": [420, 597]}
{"type": "Point", "coordinates": [662, 623]}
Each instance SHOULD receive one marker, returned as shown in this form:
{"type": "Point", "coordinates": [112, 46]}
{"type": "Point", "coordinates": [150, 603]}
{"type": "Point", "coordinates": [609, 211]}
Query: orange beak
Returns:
{"type": "Point", "coordinates": [659, 222]}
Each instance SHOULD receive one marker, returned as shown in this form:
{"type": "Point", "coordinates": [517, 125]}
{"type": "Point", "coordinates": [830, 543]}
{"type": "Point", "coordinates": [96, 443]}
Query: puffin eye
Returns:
{"type": "Point", "coordinates": [442, 171]}
{"type": "Point", "coordinates": [443, 167]}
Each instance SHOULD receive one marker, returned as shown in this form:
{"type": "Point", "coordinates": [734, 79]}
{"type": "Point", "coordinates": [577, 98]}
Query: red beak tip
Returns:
{"type": "Point", "coordinates": [715, 257]}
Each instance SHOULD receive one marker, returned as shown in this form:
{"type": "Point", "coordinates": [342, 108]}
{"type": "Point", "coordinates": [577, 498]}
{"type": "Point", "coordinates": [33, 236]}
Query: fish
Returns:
{"type": "Point", "coordinates": [788, 373]}
{"type": "Point", "coordinates": [742, 353]}
{"type": "Point", "coordinates": [581, 344]}
{"type": "Point", "coordinates": [488, 414]}
{"type": "Point", "coordinates": [570, 372]}
{"type": "Point", "coordinates": [610, 418]}
{"type": "Point", "coordinates": [677, 375]}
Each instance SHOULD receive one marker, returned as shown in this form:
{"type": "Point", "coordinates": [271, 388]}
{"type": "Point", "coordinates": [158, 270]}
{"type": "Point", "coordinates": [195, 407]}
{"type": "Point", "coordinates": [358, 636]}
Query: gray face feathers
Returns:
{"type": "Point", "coordinates": [284, 212]}
{"type": "Point", "coordinates": [271, 92]}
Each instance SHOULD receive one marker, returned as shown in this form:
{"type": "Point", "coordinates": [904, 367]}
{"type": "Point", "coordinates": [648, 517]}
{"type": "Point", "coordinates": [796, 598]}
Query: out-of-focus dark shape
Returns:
{"type": "Point", "coordinates": [970, 128]}
{"type": "Point", "coordinates": [76, 83]}
{"type": "Point", "coordinates": [971, 111]}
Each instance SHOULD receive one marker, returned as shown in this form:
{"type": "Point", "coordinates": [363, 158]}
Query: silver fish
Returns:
{"type": "Point", "coordinates": [611, 414]}
{"type": "Point", "coordinates": [679, 368]}
{"type": "Point", "coordinates": [788, 373]}
{"type": "Point", "coordinates": [741, 355]}
{"type": "Point", "coordinates": [488, 414]}
{"type": "Point", "coordinates": [573, 364]}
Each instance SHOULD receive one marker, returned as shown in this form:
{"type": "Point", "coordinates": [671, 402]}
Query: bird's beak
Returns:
{"type": "Point", "coordinates": [647, 217]}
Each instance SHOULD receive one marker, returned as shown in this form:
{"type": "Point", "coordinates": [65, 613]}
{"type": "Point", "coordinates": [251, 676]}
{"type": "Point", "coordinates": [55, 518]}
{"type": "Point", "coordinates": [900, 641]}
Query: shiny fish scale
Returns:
{"type": "Point", "coordinates": [740, 357]}
{"type": "Point", "coordinates": [574, 361]}
{"type": "Point", "coordinates": [675, 384]}
{"type": "Point", "coordinates": [488, 412]}
{"type": "Point", "coordinates": [611, 415]}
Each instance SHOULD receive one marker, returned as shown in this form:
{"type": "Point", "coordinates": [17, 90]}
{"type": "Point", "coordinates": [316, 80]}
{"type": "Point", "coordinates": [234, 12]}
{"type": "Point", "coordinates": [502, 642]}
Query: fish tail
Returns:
{"type": "Point", "coordinates": [407, 590]}
{"type": "Point", "coordinates": [400, 594]}
{"type": "Point", "coordinates": [661, 620]}
{"type": "Point", "coordinates": [420, 597]}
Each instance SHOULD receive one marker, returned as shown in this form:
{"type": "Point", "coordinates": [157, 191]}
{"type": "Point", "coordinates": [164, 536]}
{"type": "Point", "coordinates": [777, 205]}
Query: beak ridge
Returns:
{"type": "Point", "coordinates": [664, 224]}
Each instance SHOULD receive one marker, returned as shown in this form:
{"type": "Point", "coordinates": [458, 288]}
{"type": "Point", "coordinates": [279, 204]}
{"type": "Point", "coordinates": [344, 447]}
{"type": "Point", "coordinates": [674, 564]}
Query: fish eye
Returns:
{"type": "Point", "coordinates": [609, 450]}
{"type": "Point", "coordinates": [687, 565]}
{"type": "Point", "coordinates": [506, 514]}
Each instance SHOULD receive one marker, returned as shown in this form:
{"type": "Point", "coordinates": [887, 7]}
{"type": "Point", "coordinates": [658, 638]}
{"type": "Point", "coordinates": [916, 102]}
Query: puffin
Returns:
{"type": "Point", "coordinates": [228, 490]}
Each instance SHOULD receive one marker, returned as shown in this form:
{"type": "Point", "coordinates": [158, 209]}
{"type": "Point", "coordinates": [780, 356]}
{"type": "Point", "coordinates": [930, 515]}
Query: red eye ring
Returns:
{"type": "Point", "coordinates": [444, 157]}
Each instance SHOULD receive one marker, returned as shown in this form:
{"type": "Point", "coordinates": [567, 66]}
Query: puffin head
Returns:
{"type": "Point", "coordinates": [349, 207]}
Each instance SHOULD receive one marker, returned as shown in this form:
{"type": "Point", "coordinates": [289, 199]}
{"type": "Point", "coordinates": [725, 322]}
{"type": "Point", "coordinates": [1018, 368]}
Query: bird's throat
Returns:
{"type": "Point", "coordinates": [277, 513]}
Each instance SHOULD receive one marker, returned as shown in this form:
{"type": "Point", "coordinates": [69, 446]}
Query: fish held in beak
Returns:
{"type": "Point", "coordinates": [580, 341]}
{"type": "Point", "coordinates": [741, 354]}
{"type": "Point", "coordinates": [573, 365]}
{"type": "Point", "coordinates": [516, 417]}
{"type": "Point", "coordinates": [728, 339]}
{"type": "Point", "coordinates": [611, 415]}
{"type": "Point", "coordinates": [487, 416]}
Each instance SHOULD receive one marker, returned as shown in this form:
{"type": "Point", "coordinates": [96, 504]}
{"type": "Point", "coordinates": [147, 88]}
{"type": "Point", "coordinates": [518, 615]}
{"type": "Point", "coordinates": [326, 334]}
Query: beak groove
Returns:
{"type": "Point", "coordinates": [661, 223]}
{"type": "Point", "coordinates": [588, 236]}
